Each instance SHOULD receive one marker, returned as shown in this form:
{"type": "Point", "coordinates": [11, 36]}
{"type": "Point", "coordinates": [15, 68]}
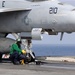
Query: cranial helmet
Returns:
{"type": "Point", "coordinates": [18, 40]}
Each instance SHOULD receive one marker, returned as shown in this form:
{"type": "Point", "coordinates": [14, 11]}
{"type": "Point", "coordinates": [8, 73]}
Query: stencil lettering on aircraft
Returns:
{"type": "Point", "coordinates": [53, 10]}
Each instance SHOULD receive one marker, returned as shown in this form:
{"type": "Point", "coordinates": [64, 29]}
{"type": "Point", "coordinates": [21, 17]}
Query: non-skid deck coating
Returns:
{"type": "Point", "coordinates": [32, 69]}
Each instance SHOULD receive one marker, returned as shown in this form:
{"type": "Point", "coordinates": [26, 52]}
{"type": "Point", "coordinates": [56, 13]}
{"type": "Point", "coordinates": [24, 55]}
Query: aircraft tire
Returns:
{"type": "Point", "coordinates": [30, 59]}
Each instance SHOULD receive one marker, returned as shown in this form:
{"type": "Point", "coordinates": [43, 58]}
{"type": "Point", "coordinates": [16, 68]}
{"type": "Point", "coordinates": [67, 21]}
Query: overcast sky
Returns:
{"type": "Point", "coordinates": [67, 38]}
{"type": "Point", "coordinates": [72, 2]}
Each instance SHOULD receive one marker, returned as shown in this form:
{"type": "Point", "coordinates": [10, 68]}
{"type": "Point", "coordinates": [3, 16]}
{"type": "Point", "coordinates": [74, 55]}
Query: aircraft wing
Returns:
{"type": "Point", "coordinates": [13, 10]}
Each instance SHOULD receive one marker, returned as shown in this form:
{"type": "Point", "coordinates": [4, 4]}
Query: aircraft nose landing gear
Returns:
{"type": "Point", "coordinates": [30, 54]}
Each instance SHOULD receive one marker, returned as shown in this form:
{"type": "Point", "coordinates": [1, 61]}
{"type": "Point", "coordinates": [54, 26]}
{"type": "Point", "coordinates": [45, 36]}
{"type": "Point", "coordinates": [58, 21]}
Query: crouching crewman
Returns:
{"type": "Point", "coordinates": [16, 53]}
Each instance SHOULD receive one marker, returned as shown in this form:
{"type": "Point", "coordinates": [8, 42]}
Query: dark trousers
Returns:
{"type": "Point", "coordinates": [14, 57]}
{"type": "Point", "coordinates": [21, 56]}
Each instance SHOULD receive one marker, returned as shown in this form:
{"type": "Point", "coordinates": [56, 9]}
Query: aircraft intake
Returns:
{"type": "Point", "coordinates": [5, 44]}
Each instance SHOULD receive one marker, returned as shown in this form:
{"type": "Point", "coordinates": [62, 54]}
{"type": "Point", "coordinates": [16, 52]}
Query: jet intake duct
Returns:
{"type": "Point", "coordinates": [5, 44]}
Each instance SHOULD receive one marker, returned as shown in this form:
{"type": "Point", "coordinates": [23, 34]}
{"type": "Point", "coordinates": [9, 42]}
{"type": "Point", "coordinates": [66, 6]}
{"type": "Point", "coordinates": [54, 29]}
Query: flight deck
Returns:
{"type": "Point", "coordinates": [45, 68]}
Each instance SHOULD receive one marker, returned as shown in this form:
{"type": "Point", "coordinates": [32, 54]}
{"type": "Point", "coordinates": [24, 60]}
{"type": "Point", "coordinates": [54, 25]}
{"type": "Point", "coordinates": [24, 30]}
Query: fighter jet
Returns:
{"type": "Point", "coordinates": [31, 18]}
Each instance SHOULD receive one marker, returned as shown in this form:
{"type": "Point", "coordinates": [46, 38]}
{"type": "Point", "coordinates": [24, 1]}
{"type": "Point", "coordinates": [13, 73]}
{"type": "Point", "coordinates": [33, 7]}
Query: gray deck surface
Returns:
{"type": "Point", "coordinates": [32, 69]}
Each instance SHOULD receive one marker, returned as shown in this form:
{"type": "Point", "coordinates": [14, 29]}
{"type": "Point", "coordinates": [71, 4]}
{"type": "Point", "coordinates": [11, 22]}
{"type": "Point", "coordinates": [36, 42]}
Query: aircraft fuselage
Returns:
{"type": "Point", "coordinates": [45, 14]}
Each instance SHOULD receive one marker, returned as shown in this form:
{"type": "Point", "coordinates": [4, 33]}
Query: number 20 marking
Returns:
{"type": "Point", "coordinates": [53, 10]}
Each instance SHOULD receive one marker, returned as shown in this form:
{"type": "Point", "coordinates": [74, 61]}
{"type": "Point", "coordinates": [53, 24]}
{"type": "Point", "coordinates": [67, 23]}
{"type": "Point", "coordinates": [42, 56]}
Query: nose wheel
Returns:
{"type": "Point", "coordinates": [31, 54]}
